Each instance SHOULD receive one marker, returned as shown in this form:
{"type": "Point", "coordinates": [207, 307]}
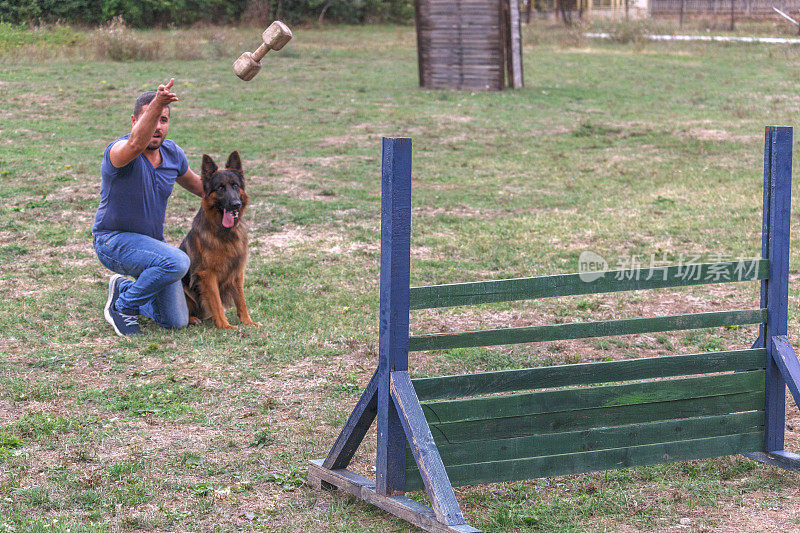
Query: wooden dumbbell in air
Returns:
{"type": "Point", "coordinates": [274, 37]}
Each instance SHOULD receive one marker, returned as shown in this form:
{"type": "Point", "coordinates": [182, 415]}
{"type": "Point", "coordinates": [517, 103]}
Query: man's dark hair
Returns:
{"type": "Point", "coordinates": [143, 100]}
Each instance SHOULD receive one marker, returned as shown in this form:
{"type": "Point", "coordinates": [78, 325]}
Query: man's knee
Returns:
{"type": "Point", "coordinates": [179, 323]}
{"type": "Point", "coordinates": [184, 263]}
{"type": "Point", "coordinates": [177, 317]}
{"type": "Point", "coordinates": [177, 263]}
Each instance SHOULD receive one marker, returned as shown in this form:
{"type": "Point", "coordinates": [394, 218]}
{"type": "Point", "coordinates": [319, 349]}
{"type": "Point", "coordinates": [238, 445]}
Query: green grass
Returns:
{"type": "Point", "coordinates": [640, 149]}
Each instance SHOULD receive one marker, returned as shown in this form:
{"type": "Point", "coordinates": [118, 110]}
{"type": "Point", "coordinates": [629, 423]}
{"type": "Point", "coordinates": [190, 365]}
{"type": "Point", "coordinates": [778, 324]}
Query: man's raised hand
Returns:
{"type": "Point", "coordinates": [164, 94]}
{"type": "Point", "coordinates": [144, 126]}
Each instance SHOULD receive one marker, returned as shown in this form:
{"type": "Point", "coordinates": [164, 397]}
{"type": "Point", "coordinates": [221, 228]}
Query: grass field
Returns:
{"type": "Point", "coordinates": [622, 149]}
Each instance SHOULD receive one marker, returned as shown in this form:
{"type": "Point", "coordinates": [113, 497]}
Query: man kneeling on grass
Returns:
{"type": "Point", "coordinates": [138, 173]}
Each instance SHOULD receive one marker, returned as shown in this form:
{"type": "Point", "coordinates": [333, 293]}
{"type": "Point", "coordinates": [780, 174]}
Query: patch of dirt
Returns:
{"type": "Point", "coordinates": [162, 438]}
{"type": "Point", "coordinates": [75, 192]}
{"type": "Point", "coordinates": [275, 244]}
{"type": "Point", "coordinates": [339, 140]}
{"type": "Point", "coordinates": [332, 161]}
{"type": "Point", "coordinates": [651, 153]}
{"type": "Point", "coordinates": [454, 140]}
{"type": "Point", "coordinates": [463, 211]}
{"type": "Point", "coordinates": [551, 130]}
{"type": "Point", "coordinates": [298, 182]}
{"type": "Point", "coordinates": [704, 134]}
{"type": "Point", "coordinates": [759, 516]}
{"type": "Point", "coordinates": [444, 119]}
{"type": "Point", "coordinates": [369, 127]}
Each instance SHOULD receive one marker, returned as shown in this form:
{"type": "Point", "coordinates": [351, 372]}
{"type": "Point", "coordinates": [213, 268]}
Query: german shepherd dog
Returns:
{"type": "Point", "coordinates": [217, 246]}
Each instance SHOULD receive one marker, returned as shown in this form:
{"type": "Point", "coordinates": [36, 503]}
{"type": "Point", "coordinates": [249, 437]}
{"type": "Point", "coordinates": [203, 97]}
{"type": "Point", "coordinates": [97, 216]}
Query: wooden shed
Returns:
{"type": "Point", "coordinates": [469, 44]}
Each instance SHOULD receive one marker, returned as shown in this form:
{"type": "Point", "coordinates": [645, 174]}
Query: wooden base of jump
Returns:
{"type": "Point", "coordinates": [424, 518]}
{"type": "Point", "coordinates": [782, 459]}
{"type": "Point", "coordinates": [437, 433]}
{"type": "Point", "coordinates": [362, 488]}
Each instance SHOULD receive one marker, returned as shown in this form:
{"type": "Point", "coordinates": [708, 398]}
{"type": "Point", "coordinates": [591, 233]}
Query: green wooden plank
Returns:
{"type": "Point", "coordinates": [597, 439]}
{"type": "Point", "coordinates": [592, 461]}
{"type": "Point", "coordinates": [580, 330]}
{"type": "Point", "coordinates": [573, 399]}
{"type": "Point", "coordinates": [518, 426]}
{"type": "Point", "coordinates": [505, 290]}
{"type": "Point", "coordinates": [587, 373]}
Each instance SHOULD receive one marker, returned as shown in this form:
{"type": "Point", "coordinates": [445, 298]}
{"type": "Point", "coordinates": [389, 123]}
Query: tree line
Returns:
{"type": "Point", "coordinates": [162, 13]}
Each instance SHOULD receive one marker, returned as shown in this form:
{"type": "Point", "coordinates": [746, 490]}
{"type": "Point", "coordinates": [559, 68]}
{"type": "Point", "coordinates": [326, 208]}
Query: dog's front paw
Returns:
{"type": "Point", "coordinates": [251, 323]}
{"type": "Point", "coordinates": [193, 320]}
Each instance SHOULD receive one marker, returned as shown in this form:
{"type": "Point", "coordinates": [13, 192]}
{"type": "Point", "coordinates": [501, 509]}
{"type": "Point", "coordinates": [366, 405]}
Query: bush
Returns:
{"type": "Point", "coordinates": [13, 39]}
{"type": "Point", "coordinates": [49, 11]}
{"type": "Point", "coordinates": [347, 11]}
{"type": "Point", "coordinates": [149, 13]}
{"type": "Point", "coordinates": [137, 13]}
{"type": "Point", "coordinates": [625, 32]}
{"type": "Point", "coordinates": [117, 42]}
{"type": "Point", "coordinates": [159, 13]}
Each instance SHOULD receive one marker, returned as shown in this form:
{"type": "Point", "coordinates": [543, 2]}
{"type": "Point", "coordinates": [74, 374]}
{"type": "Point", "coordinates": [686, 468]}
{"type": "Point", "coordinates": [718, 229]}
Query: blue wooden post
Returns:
{"type": "Point", "coordinates": [775, 290]}
{"type": "Point", "coordinates": [355, 428]}
{"type": "Point", "coordinates": [394, 309]}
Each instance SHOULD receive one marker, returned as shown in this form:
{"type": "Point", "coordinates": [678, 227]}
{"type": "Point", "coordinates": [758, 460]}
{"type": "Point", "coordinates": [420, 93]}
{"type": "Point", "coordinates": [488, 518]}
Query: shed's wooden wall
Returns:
{"type": "Point", "coordinates": [462, 43]}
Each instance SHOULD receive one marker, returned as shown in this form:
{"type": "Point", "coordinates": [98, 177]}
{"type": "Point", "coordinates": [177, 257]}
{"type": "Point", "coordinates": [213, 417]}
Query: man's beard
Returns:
{"type": "Point", "coordinates": [155, 145]}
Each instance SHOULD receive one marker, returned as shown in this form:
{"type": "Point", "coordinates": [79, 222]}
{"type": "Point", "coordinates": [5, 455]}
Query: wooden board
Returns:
{"type": "Point", "coordinates": [775, 246]}
{"type": "Point", "coordinates": [405, 508]}
{"type": "Point", "coordinates": [574, 399]}
{"type": "Point", "coordinates": [460, 44]}
{"type": "Point", "coordinates": [782, 459]}
{"type": "Point", "coordinates": [590, 418]}
{"type": "Point", "coordinates": [394, 295]}
{"type": "Point", "coordinates": [514, 60]}
{"type": "Point", "coordinates": [789, 366]}
{"type": "Point", "coordinates": [506, 290]}
{"type": "Point", "coordinates": [592, 461]}
{"type": "Point", "coordinates": [458, 386]}
{"type": "Point", "coordinates": [357, 425]}
{"type": "Point", "coordinates": [423, 449]}
{"type": "Point", "coordinates": [581, 330]}
{"type": "Point", "coordinates": [482, 451]}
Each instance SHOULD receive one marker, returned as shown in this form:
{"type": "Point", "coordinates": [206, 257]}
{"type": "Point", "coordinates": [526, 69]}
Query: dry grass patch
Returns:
{"type": "Point", "coordinates": [348, 140]}
{"type": "Point", "coordinates": [299, 181]}
{"type": "Point", "coordinates": [285, 241]}
{"type": "Point", "coordinates": [704, 134]}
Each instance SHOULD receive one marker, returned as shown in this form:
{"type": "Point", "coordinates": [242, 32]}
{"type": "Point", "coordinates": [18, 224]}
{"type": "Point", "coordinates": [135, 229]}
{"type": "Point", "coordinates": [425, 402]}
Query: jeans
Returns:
{"type": "Point", "coordinates": [158, 268]}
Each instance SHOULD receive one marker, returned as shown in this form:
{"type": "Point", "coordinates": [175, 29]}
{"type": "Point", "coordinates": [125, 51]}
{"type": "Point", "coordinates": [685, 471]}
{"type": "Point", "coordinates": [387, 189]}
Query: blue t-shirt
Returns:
{"type": "Point", "coordinates": [134, 198]}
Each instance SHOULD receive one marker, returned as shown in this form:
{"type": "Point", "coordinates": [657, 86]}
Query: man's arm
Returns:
{"type": "Point", "coordinates": [191, 182]}
{"type": "Point", "coordinates": [125, 151]}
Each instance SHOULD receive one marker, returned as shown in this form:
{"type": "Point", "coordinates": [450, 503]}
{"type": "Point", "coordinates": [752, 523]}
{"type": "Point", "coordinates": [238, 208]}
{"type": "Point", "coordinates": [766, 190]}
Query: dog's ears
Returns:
{"type": "Point", "coordinates": [208, 168]}
{"type": "Point", "coordinates": [234, 163]}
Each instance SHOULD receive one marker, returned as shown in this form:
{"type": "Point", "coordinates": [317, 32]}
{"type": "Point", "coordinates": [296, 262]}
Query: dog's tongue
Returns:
{"type": "Point", "coordinates": [228, 219]}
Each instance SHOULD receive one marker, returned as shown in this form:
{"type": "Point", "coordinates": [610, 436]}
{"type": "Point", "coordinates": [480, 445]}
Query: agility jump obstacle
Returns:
{"type": "Point", "coordinates": [440, 432]}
